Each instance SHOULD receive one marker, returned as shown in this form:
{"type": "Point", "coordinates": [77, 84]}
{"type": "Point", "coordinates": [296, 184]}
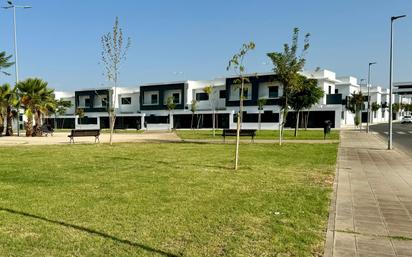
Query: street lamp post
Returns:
{"type": "Point", "coordinates": [369, 96]}
{"type": "Point", "coordinates": [16, 65]}
{"type": "Point", "coordinates": [360, 89]}
{"type": "Point", "coordinates": [393, 18]}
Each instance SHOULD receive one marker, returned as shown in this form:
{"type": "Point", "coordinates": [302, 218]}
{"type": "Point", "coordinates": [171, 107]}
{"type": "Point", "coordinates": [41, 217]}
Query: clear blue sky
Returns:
{"type": "Point", "coordinates": [59, 41]}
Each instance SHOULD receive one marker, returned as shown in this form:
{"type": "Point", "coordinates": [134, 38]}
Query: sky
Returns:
{"type": "Point", "coordinates": [60, 41]}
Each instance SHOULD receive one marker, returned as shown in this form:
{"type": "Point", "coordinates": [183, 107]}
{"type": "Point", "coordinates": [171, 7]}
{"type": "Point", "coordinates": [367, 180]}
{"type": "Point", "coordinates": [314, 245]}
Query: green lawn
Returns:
{"type": "Point", "coordinates": [164, 200]}
{"type": "Point", "coordinates": [263, 134]}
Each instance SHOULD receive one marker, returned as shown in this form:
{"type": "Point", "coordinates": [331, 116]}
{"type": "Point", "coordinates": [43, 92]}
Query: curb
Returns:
{"type": "Point", "coordinates": [330, 233]}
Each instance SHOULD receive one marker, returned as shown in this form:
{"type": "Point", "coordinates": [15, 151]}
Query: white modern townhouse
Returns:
{"type": "Point", "coordinates": [145, 106]}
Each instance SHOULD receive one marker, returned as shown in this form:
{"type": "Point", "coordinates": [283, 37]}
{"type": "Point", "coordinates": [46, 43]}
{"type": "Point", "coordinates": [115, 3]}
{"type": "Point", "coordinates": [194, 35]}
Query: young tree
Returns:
{"type": "Point", "coordinates": [287, 65]}
{"type": "Point", "coordinates": [354, 105]}
{"type": "Point", "coordinates": [193, 109]}
{"type": "Point", "coordinates": [304, 98]}
{"type": "Point", "coordinates": [236, 63]}
{"type": "Point", "coordinates": [171, 105]}
{"type": "Point", "coordinates": [396, 107]}
{"type": "Point", "coordinates": [211, 92]}
{"type": "Point", "coordinates": [60, 108]}
{"type": "Point", "coordinates": [80, 113]}
{"type": "Point", "coordinates": [260, 102]}
{"type": "Point", "coordinates": [113, 54]}
{"type": "Point", "coordinates": [375, 107]}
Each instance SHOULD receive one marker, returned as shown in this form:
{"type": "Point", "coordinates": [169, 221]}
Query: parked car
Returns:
{"type": "Point", "coordinates": [406, 119]}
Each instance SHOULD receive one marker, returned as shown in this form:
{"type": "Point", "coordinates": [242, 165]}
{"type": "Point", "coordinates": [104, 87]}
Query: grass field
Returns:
{"type": "Point", "coordinates": [164, 200]}
{"type": "Point", "coordinates": [263, 134]}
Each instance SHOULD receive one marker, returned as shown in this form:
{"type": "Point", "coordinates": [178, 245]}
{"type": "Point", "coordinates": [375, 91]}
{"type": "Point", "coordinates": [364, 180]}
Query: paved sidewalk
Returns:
{"type": "Point", "coordinates": [372, 208]}
{"type": "Point", "coordinates": [61, 138]}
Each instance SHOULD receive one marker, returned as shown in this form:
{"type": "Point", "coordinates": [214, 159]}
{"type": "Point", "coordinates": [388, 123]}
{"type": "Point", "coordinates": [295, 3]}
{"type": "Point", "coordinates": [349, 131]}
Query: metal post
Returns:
{"type": "Point", "coordinates": [16, 65]}
{"type": "Point", "coordinates": [369, 100]}
{"type": "Point", "coordinates": [361, 107]}
{"type": "Point", "coordinates": [391, 82]}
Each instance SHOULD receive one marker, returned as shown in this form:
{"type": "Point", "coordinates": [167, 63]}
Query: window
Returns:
{"type": "Point", "coordinates": [176, 98]}
{"type": "Point", "coordinates": [273, 92]}
{"type": "Point", "coordinates": [87, 102]}
{"type": "Point", "coordinates": [126, 100]}
{"type": "Point", "coordinates": [104, 101]}
{"type": "Point", "coordinates": [330, 90]}
{"type": "Point", "coordinates": [245, 93]}
{"type": "Point", "coordinates": [202, 97]}
{"type": "Point", "coordinates": [336, 91]}
{"type": "Point", "coordinates": [222, 94]}
{"type": "Point", "coordinates": [153, 99]}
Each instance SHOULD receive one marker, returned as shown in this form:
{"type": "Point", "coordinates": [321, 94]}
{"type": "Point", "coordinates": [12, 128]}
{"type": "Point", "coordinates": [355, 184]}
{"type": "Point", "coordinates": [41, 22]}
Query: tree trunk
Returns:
{"type": "Point", "coordinates": [285, 113]}
{"type": "Point", "coordinates": [9, 121]}
{"type": "Point", "coordinates": [29, 126]}
{"type": "Point", "coordinates": [213, 123]}
{"type": "Point", "coordinates": [297, 123]}
{"type": "Point", "coordinates": [259, 120]}
{"type": "Point", "coordinates": [238, 125]}
{"type": "Point", "coordinates": [36, 132]}
{"type": "Point", "coordinates": [191, 122]}
{"type": "Point", "coordinates": [112, 120]}
{"type": "Point", "coordinates": [307, 121]}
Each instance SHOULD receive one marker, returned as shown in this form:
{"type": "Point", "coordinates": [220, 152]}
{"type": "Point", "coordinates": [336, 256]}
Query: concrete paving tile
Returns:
{"type": "Point", "coordinates": [375, 219]}
{"type": "Point", "coordinates": [400, 212]}
{"type": "Point", "coordinates": [397, 232]}
{"type": "Point", "coordinates": [374, 254]}
{"type": "Point", "coordinates": [344, 253]}
{"type": "Point", "coordinates": [403, 247]}
{"type": "Point", "coordinates": [377, 228]}
{"type": "Point", "coordinates": [399, 226]}
{"type": "Point", "coordinates": [344, 241]}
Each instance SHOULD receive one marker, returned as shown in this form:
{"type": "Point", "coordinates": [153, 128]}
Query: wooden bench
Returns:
{"type": "Point", "coordinates": [84, 133]}
{"type": "Point", "coordinates": [243, 133]}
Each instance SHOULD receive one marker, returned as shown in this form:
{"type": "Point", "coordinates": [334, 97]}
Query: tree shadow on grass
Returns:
{"type": "Point", "coordinates": [91, 231]}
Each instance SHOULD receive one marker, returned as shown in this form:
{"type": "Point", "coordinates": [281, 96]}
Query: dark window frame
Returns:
{"type": "Point", "coordinates": [274, 94]}
{"type": "Point", "coordinates": [202, 96]}
{"type": "Point", "coordinates": [87, 102]}
{"type": "Point", "coordinates": [104, 101]}
{"type": "Point", "coordinates": [176, 100]}
{"type": "Point", "coordinates": [151, 99]}
{"type": "Point", "coordinates": [127, 100]}
{"type": "Point", "coordinates": [222, 94]}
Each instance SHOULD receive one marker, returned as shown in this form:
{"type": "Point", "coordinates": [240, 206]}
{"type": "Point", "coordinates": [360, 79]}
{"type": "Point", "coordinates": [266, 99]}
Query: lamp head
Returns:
{"type": "Point", "coordinates": [397, 17]}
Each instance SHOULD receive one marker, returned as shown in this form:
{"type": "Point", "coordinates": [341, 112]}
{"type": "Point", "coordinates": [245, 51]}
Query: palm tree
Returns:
{"type": "Point", "coordinates": [8, 100]}
{"type": "Point", "coordinates": [4, 62]}
{"type": "Point", "coordinates": [37, 99]}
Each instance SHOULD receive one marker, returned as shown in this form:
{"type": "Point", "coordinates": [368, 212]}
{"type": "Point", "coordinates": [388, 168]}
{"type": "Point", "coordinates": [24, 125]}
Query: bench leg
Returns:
{"type": "Point", "coordinates": [71, 140]}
